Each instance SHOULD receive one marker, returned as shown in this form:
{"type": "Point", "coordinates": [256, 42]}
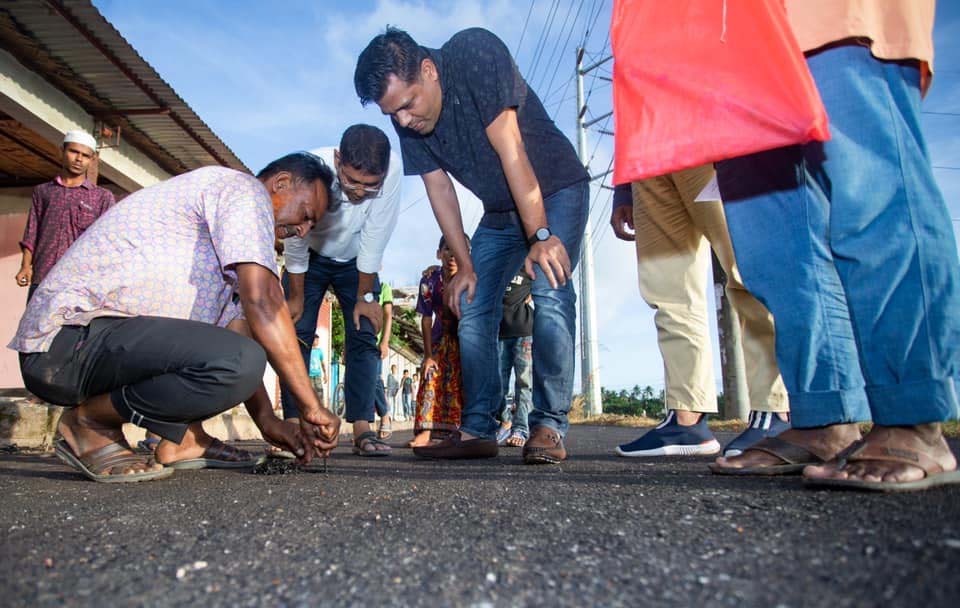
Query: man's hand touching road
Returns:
{"type": "Point", "coordinates": [321, 429]}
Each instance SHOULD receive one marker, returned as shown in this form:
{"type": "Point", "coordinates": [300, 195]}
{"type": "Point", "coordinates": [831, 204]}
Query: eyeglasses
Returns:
{"type": "Point", "coordinates": [347, 184]}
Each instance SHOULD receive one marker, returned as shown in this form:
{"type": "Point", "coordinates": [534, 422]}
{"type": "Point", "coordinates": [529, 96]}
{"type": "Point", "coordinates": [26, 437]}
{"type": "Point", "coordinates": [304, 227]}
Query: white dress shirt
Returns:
{"type": "Point", "coordinates": [350, 230]}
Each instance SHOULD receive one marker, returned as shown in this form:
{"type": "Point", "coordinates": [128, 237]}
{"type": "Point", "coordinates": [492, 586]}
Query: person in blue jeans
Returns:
{"type": "Point", "coordinates": [515, 349]}
{"type": "Point", "coordinates": [850, 245]}
{"type": "Point", "coordinates": [344, 250]}
{"type": "Point", "coordinates": [465, 111]}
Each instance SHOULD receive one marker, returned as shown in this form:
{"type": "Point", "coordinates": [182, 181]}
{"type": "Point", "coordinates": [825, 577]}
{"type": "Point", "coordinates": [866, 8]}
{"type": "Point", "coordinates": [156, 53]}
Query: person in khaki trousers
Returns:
{"type": "Point", "coordinates": [674, 233]}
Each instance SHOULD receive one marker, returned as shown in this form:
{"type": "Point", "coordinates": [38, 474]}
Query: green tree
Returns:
{"type": "Point", "coordinates": [337, 335]}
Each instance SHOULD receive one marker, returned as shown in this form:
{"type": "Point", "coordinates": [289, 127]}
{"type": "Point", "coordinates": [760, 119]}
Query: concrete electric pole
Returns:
{"type": "Point", "coordinates": [590, 358]}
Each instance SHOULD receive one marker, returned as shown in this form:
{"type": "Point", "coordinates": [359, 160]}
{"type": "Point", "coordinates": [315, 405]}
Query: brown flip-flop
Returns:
{"type": "Point", "coordinates": [97, 464]}
{"type": "Point", "coordinates": [881, 451]}
{"type": "Point", "coordinates": [219, 456]}
{"type": "Point", "coordinates": [794, 458]}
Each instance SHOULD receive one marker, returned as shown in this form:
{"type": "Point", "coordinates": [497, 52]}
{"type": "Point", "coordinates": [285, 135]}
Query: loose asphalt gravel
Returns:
{"type": "Point", "coordinates": [597, 530]}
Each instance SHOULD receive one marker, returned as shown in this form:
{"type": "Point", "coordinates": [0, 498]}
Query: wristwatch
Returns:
{"type": "Point", "coordinates": [541, 234]}
{"type": "Point", "coordinates": [369, 298]}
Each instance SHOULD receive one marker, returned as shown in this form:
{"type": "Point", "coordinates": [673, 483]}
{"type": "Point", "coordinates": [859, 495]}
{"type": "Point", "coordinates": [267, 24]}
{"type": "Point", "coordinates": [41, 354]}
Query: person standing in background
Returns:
{"type": "Point", "coordinates": [61, 210]}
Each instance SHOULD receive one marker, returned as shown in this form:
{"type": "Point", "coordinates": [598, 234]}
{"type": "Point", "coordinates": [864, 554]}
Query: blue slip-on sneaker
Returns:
{"type": "Point", "coordinates": [669, 438]}
{"type": "Point", "coordinates": [760, 426]}
{"type": "Point", "coordinates": [502, 435]}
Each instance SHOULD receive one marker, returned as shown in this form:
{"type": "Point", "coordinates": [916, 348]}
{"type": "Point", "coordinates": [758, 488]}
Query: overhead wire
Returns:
{"type": "Point", "coordinates": [557, 45]}
{"type": "Point", "coordinates": [523, 31]}
{"type": "Point", "coordinates": [542, 43]}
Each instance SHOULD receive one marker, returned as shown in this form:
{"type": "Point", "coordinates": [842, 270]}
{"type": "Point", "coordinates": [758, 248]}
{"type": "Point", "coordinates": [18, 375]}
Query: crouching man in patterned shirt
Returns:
{"type": "Point", "coordinates": [165, 312]}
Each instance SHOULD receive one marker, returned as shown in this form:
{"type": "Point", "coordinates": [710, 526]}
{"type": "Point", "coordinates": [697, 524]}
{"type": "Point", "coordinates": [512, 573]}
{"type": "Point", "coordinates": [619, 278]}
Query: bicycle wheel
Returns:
{"type": "Point", "coordinates": [338, 405]}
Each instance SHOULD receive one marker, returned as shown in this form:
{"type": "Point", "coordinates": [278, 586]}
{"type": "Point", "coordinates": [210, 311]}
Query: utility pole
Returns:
{"type": "Point", "coordinates": [736, 395]}
{"type": "Point", "coordinates": [589, 355]}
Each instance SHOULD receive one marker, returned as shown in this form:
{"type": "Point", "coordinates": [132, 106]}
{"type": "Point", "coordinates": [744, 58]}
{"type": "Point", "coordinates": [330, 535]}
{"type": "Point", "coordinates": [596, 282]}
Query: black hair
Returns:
{"type": "Point", "coordinates": [393, 52]}
{"type": "Point", "coordinates": [304, 166]}
{"type": "Point", "coordinates": [365, 148]}
{"type": "Point", "coordinates": [443, 242]}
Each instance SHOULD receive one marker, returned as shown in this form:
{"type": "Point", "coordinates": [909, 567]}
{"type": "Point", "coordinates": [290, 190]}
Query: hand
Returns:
{"type": "Point", "coordinates": [553, 260]}
{"type": "Point", "coordinates": [384, 349]}
{"type": "Point", "coordinates": [25, 276]}
{"type": "Point", "coordinates": [429, 364]}
{"type": "Point", "coordinates": [464, 280]}
{"type": "Point", "coordinates": [320, 429]}
{"type": "Point", "coordinates": [370, 310]}
{"type": "Point", "coordinates": [295, 305]}
{"type": "Point", "coordinates": [619, 218]}
{"type": "Point", "coordinates": [284, 435]}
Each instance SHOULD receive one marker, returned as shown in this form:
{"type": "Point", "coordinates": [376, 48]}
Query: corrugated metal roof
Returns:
{"type": "Point", "coordinates": [70, 44]}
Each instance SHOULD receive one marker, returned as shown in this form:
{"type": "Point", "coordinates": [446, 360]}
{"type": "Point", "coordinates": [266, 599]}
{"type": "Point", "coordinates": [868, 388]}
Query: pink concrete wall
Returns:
{"type": "Point", "coordinates": [13, 298]}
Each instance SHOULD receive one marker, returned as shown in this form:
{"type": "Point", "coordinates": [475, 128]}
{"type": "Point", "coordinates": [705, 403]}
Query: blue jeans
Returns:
{"type": "Point", "coordinates": [362, 354]}
{"type": "Point", "coordinates": [380, 393]}
{"type": "Point", "coordinates": [497, 255]}
{"type": "Point", "coordinates": [516, 356]}
{"type": "Point", "coordinates": [851, 247]}
{"type": "Point", "coordinates": [407, 399]}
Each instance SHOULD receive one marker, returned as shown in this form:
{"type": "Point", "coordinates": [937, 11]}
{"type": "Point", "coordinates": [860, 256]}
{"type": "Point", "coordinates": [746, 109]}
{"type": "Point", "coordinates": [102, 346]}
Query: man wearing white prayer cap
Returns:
{"type": "Point", "coordinates": [61, 210]}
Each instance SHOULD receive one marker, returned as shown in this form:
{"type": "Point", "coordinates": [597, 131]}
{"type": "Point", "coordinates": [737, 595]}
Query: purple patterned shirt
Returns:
{"type": "Point", "coordinates": [168, 250]}
{"type": "Point", "coordinates": [430, 302]}
{"type": "Point", "coordinates": [58, 216]}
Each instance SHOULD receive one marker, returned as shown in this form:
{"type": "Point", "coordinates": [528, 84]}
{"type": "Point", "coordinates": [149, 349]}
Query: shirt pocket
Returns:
{"type": "Point", "coordinates": [82, 216]}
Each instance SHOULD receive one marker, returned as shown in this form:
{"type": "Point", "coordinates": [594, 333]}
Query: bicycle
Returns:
{"type": "Point", "coordinates": [338, 404]}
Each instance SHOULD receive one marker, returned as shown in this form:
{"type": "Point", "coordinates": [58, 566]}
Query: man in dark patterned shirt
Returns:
{"type": "Point", "coordinates": [61, 210]}
{"type": "Point", "coordinates": [465, 111]}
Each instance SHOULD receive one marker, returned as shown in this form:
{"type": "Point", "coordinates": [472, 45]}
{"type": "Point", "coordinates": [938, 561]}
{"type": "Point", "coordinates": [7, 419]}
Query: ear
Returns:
{"type": "Point", "coordinates": [280, 181]}
{"type": "Point", "coordinates": [428, 70]}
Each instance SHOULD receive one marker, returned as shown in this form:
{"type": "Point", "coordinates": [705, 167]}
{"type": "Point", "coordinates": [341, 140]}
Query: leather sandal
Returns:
{"type": "Point", "coordinates": [99, 464]}
{"type": "Point", "coordinates": [366, 445]}
{"type": "Point", "coordinates": [793, 459]}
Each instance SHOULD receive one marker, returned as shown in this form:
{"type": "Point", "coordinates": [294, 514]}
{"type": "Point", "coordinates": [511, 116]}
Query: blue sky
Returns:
{"type": "Point", "coordinates": [272, 77]}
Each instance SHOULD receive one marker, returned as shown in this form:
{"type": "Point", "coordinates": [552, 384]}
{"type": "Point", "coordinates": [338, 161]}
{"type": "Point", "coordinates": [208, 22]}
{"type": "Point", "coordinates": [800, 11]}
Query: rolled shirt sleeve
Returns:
{"type": "Point", "coordinates": [296, 255]}
{"type": "Point", "coordinates": [33, 221]}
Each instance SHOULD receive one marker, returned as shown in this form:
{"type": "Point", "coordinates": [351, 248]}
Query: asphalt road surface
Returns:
{"type": "Point", "coordinates": [596, 531]}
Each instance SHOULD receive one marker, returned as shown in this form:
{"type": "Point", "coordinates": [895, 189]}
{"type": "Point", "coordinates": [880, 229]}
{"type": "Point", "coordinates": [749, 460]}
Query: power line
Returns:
{"type": "Point", "coordinates": [556, 65]}
{"type": "Point", "coordinates": [523, 32]}
{"type": "Point", "coordinates": [544, 36]}
{"type": "Point", "coordinates": [410, 206]}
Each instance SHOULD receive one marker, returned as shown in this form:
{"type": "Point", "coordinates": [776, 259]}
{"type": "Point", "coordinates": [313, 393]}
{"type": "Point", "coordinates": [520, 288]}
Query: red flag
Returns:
{"type": "Point", "coordinates": [697, 81]}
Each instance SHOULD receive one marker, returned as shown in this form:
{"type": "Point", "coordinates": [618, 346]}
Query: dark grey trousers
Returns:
{"type": "Point", "coordinates": [162, 374]}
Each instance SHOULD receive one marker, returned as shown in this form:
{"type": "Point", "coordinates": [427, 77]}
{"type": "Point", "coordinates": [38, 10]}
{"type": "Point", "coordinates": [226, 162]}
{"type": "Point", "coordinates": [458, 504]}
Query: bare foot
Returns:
{"type": "Point", "coordinates": [94, 425]}
{"type": "Point", "coordinates": [194, 443]}
{"type": "Point", "coordinates": [421, 439]}
{"type": "Point", "coordinates": [896, 441]}
{"type": "Point", "coordinates": [824, 442]}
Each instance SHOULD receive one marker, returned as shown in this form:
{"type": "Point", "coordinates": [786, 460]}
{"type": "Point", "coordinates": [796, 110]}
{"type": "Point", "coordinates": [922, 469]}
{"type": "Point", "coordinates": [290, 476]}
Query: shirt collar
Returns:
{"type": "Point", "coordinates": [86, 183]}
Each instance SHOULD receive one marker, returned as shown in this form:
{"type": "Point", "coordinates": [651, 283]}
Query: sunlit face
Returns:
{"type": "Point", "coordinates": [297, 205]}
{"type": "Point", "coordinates": [76, 158]}
{"type": "Point", "coordinates": [356, 184]}
{"type": "Point", "coordinates": [414, 105]}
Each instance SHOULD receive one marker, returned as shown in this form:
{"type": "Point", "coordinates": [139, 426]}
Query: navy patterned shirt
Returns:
{"type": "Point", "coordinates": [480, 80]}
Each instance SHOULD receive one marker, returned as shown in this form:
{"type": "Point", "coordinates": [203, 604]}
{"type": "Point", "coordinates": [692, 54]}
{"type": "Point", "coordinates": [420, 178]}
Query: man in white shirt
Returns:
{"type": "Point", "coordinates": [344, 250]}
